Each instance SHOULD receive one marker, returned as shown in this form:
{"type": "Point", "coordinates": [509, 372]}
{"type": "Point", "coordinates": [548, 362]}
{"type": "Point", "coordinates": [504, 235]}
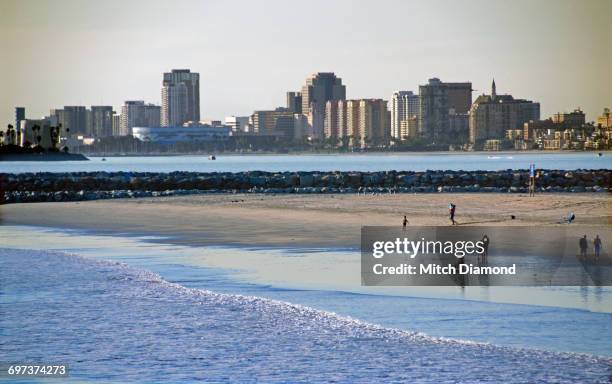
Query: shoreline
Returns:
{"type": "Point", "coordinates": [332, 153]}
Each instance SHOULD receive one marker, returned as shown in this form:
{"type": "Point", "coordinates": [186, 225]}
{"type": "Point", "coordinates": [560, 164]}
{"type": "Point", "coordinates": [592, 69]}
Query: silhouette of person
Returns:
{"type": "Point", "coordinates": [451, 212]}
{"type": "Point", "coordinates": [404, 222]}
{"type": "Point", "coordinates": [485, 245]}
{"type": "Point", "coordinates": [597, 246]}
{"type": "Point", "coordinates": [583, 246]}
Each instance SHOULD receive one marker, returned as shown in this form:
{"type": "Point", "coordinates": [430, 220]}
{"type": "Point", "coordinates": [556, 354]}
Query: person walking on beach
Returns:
{"type": "Point", "coordinates": [451, 212]}
{"type": "Point", "coordinates": [597, 246]}
{"type": "Point", "coordinates": [583, 247]}
{"type": "Point", "coordinates": [404, 222]}
{"type": "Point", "coordinates": [485, 246]}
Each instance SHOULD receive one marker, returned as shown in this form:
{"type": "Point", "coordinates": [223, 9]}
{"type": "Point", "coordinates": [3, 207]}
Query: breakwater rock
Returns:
{"type": "Point", "coordinates": [77, 186]}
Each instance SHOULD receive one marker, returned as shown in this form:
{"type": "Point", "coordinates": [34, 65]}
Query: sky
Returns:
{"type": "Point", "coordinates": [250, 53]}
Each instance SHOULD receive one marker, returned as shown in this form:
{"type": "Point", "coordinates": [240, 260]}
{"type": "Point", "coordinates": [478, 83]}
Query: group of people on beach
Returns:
{"type": "Point", "coordinates": [583, 243]}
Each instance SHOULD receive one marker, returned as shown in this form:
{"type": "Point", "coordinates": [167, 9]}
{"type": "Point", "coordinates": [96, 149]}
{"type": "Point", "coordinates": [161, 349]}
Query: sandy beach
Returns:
{"type": "Point", "coordinates": [301, 220]}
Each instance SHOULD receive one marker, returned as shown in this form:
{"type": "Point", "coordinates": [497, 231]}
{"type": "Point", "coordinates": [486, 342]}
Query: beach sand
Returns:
{"type": "Point", "coordinates": [301, 220]}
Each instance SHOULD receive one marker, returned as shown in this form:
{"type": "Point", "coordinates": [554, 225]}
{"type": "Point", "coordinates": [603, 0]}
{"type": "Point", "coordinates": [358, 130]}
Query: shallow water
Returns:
{"type": "Point", "coordinates": [344, 162]}
{"type": "Point", "coordinates": [115, 323]}
{"type": "Point", "coordinates": [571, 319]}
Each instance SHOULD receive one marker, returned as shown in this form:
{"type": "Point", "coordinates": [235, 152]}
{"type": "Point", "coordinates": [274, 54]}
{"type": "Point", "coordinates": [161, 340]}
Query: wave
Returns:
{"type": "Point", "coordinates": [124, 311]}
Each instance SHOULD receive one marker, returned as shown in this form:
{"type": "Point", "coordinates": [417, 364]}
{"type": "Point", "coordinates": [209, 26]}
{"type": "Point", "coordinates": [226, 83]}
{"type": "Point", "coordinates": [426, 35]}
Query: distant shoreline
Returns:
{"type": "Point", "coordinates": [49, 156]}
{"type": "Point", "coordinates": [326, 153]}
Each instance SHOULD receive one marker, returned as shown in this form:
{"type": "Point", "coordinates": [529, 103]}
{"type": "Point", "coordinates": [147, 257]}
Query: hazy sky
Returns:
{"type": "Point", "coordinates": [249, 53]}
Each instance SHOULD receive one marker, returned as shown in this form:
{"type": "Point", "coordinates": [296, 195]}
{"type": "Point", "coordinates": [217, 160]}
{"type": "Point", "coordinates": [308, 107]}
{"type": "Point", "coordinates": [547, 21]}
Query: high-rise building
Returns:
{"type": "Point", "coordinates": [73, 118]}
{"type": "Point", "coordinates": [19, 115]}
{"type": "Point", "coordinates": [152, 115]}
{"type": "Point", "coordinates": [294, 102]}
{"type": "Point", "coordinates": [436, 99]}
{"type": "Point", "coordinates": [409, 128]}
{"type": "Point", "coordinates": [333, 119]}
{"type": "Point", "coordinates": [116, 124]}
{"type": "Point", "coordinates": [174, 105]}
{"type": "Point", "coordinates": [102, 120]}
{"type": "Point", "coordinates": [365, 121]}
{"type": "Point", "coordinates": [404, 105]}
{"type": "Point", "coordinates": [492, 115]}
{"type": "Point", "coordinates": [180, 97]}
{"type": "Point", "coordinates": [320, 88]}
{"type": "Point", "coordinates": [136, 113]}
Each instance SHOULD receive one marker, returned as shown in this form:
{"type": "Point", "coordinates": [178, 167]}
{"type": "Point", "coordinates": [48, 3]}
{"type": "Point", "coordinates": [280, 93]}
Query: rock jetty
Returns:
{"type": "Point", "coordinates": [77, 186]}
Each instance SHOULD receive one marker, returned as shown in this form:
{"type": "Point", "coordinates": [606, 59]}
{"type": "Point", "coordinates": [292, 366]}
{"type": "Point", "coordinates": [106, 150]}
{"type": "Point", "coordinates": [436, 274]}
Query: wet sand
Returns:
{"type": "Point", "coordinates": [301, 220]}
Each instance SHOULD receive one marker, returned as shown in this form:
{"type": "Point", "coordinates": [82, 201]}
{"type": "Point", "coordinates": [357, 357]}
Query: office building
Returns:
{"type": "Point", "coordinates": [492, 115]}
{"type": "Point", "coordinates": [101, 121]}
{"type": "Point", "coordinates": [180, 97]}
{"type": "Point", "coordinates": [294, 102]}
{"type": "Point", "coordinates": [152, 115]}
{"type": "Point", "coordinates": [436, 99]}
{"type": "Point", "coordinates": [404, 106]}
{"type": "Point", "coordinates": [19, 115]}
{"type": "Point", "coordinates": [319, 89]}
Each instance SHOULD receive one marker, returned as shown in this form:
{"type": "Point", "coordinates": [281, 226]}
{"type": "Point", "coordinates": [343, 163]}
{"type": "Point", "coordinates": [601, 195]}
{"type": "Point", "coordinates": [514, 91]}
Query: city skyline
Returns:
{"type": "Point", "coordinates": [543, 66]}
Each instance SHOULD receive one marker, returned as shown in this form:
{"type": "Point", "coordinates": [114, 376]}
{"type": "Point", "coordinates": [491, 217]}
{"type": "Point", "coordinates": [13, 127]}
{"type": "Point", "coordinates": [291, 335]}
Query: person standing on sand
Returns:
{"type": "Point", "coordinates": [597, 246]}
{"type": "Point", "coordinates": [451, 212]}
{"type": "Point", "coordinates": [485, 246]}
{"type": "Point", "coordinates": [583, 247]}
{"type": "Point", "coordinates": [404, 222]}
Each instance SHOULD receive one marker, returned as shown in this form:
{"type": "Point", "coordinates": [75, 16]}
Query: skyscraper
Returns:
{"type": "Point", "coordinates": [320, 88]}
{"type": "Point", "coordinates": [19, 115]}
{"type": "Point", "coordinates": [436, 100]}
{"type": "Point", "coordinates": [180, 97]}
{"type": "Point", "coordinates": [404, 105]}
{"type": "Point", "coordinates": [102, 120]}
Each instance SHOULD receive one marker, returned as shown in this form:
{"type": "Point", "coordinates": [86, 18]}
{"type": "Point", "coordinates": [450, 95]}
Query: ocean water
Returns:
{"type": "Point", "coordinates": [129, 308]}
{"type": "Point", "coordinates": [115, 323]}
{"type": "Point", "coordinates": [343, 162]}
